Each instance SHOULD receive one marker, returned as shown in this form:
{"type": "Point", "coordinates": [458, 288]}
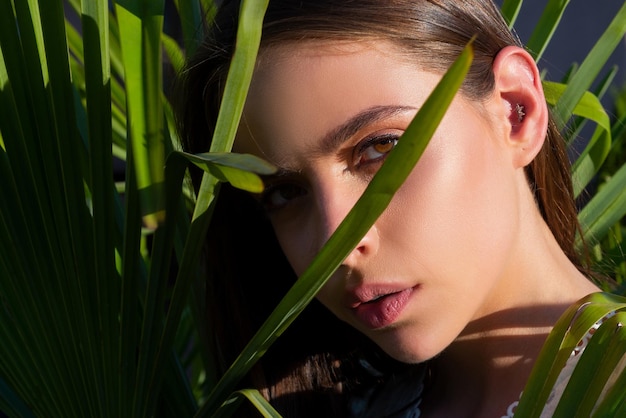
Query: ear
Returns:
{"type": "Point", "coordinates": [520, 96]}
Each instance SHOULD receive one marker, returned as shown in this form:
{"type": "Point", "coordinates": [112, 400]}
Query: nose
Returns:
{"type": "Point", "coordinates": [334, 202]}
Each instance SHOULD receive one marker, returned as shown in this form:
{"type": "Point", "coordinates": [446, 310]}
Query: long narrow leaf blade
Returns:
{"type": "Point", "coordinates": [604, 210]}
{"type": "Point", "coordinates": [557, 349]}
{"type": "Point", "coordinates": [510, 9]}
{"type": "Point", "coordinates": [548, 22]}
{"type": "Point", "coordinates": [238, 81]}
{"type": "Point", "coordinates": [589, 161]}
{"type": "Point", "coordinates": [255, 398]}
{"type": "Point", "coordinates": [140, 23]}
{"type": "Point", "coordinates": [582, 80]}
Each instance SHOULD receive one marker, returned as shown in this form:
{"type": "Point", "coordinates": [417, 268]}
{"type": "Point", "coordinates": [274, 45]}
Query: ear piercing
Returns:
{"type": "Point", "coordinates": [520, 112]}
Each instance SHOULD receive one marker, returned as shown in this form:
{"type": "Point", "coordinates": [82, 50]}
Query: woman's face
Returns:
{"type": "Point", "coordinates": [327, 115]}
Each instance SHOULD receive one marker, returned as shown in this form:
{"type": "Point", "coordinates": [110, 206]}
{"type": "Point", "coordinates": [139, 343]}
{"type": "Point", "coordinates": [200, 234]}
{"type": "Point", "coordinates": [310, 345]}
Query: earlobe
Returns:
{"type": "Point", "coordinates": [521, 99]}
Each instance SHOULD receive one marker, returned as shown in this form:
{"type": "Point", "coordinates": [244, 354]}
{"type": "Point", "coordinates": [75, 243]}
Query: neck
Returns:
{"type": "Point", "coordinates": [485, 369]}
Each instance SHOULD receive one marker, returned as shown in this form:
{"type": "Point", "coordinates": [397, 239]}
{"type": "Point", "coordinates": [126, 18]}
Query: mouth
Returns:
{"type": "Point", "coordinates": [382, 309]}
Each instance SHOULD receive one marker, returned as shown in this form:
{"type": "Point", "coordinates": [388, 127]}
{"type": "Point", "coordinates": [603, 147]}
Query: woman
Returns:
{"type": "Point", "coordinates": [473, 261]}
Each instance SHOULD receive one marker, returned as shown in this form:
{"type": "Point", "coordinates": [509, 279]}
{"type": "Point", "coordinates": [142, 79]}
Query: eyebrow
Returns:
{"type": "Point", "coordinates": [337, 136]}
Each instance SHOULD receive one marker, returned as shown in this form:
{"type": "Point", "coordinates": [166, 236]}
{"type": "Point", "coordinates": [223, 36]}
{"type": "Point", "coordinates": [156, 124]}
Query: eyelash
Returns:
{"type": "Point", "coordinates": [370, 143]}
{"type": "Point", "coordinates": [282, 185]}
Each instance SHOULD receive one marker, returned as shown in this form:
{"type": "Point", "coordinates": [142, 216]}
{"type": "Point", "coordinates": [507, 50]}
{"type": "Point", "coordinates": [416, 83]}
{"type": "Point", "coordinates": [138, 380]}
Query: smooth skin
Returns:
{"type": "Point", "coordinates": [460, 268]}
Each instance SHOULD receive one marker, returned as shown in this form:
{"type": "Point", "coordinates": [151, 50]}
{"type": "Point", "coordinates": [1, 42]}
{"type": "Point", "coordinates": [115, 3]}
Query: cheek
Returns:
{"type": "Point", "coordinates": [458, 203]}
{"type": "Point", "coordinates": [328, 296]}
{"type": "Point", "coordinates": [300, 253]}
{"type": "Point", "coordinates": [296, 243]}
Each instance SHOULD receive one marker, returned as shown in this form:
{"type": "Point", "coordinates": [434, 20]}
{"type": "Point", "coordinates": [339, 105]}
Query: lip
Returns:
{"type": "Point", "coordinates": [382, 308]}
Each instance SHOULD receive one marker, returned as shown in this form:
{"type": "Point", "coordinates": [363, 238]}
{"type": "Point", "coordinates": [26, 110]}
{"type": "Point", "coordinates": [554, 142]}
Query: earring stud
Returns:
{"type": "Point", "coordinates": [520, 112]}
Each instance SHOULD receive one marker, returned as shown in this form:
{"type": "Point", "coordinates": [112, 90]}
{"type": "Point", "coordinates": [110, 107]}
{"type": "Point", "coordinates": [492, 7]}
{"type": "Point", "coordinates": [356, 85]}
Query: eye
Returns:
{"type": "Point", "coordinates": [277, 196]}
{"type": "Point", "coordinates": [375, 149]}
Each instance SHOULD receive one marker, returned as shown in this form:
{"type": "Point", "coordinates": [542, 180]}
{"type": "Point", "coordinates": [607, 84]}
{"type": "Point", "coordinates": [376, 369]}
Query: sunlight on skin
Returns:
{"type": "Point", "coordinates": [462, 240]}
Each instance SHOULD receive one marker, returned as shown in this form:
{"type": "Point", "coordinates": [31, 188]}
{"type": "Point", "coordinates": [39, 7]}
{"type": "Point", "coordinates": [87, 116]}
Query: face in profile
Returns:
{"type": "Point", "coordinates": [327, 114]}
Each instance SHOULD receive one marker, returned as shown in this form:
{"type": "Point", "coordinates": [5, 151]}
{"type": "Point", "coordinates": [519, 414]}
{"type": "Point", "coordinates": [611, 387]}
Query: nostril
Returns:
{"type": "Point", "coordinates": [361, 249]}
{"type": "Point", "coordinates": [367, 247]}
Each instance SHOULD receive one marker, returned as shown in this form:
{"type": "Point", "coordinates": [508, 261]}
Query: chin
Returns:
{"type": "Point", "coordinates": [408, 353]}
{"type": "Point", "coordinates": [409, 358]}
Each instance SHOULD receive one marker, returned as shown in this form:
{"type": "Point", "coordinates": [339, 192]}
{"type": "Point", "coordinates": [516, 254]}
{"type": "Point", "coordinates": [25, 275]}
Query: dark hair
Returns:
{"type": "Point", "coordinates": [433, 33]}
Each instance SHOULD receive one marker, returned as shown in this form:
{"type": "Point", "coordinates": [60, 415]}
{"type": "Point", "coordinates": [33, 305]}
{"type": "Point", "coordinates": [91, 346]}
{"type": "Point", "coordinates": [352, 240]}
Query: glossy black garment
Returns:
{"type": "Point", "coordinates": [395, 395]}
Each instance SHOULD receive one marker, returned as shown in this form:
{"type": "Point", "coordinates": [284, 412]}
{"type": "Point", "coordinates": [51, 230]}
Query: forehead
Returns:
{"type": "Point", "coordinates": [301, 91]}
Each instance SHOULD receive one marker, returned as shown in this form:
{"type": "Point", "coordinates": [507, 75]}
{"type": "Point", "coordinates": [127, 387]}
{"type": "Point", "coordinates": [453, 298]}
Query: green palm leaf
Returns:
{"type": "Point", "coordinates": [579, 396]}
{"type": "Point", "coordinates": [91, 322]}
{"type": "Point", "coordinates": [582, 80]}
{"type": "Point", "coordinates": [545, 28]}
{"type": "Point", "coordinates": [589, 161]}
{"type": "Point", "coordinates": [604, 210]}
{"type": "Point", "coordinates": [254, 397]}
